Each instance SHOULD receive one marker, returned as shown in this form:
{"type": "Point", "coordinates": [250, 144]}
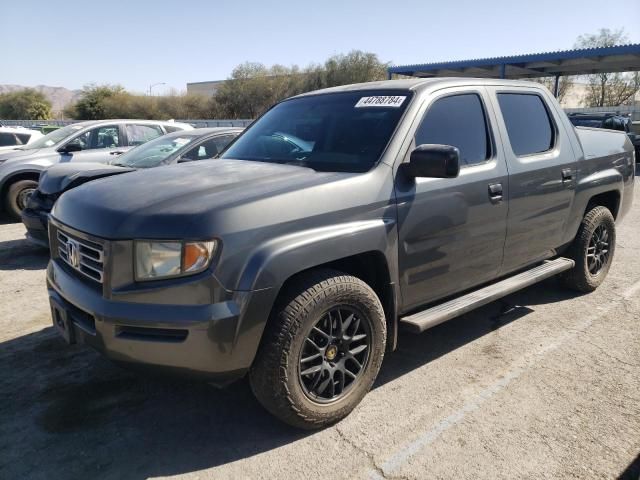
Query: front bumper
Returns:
{"type": "Point", "coordinates": [216, 341]}
{"type": "Point", "coordinates": [36, 224]}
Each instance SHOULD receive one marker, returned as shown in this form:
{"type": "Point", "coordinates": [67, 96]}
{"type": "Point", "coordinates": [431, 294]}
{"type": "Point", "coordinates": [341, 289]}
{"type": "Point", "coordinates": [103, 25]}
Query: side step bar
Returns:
{"type": "Point", "coordinates": [421, 321]}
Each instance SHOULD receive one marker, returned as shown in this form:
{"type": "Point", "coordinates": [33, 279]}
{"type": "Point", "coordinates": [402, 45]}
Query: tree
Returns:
{"type": "Point", "coordinates": [608, 89]}
{"type": "Point", "coordinates": [27, 104]}
{"type": "Point", "coordinates": [354, 67]}
{"type": "Point", "coordinates": [564, 85]}
{"type": "Point", "coordinates": [93, 103]}
{"type": "Point", "coordinates": [253, 87]}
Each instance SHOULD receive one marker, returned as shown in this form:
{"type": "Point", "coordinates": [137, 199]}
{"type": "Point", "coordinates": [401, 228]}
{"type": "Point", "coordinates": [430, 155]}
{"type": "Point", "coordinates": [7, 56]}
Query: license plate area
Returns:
{"type": "Point", "coordinates": [62, 322]}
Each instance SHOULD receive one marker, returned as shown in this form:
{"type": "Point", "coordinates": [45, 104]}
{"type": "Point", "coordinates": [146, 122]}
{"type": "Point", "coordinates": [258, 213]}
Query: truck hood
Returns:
{"type": "Point", "coordinates": [191, 200]}
{"type": "Point", "coordinates": [62, 177]}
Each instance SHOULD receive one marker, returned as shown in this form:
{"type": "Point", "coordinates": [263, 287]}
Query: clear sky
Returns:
{"type": "Point", "coordinates": [136, 43]}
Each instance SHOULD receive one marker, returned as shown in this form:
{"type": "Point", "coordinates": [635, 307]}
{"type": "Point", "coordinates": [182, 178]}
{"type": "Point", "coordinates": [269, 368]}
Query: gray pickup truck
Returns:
{"type": "Point", "coordinates": [337, 218]}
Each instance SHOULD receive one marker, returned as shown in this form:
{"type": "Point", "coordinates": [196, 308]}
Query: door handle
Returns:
{"type": "Point", "coordinates": [495, 192]}
{"type": "Point", "coordinates": [117, 152]}
{"type": "Point", "coordinates": [567, 175]}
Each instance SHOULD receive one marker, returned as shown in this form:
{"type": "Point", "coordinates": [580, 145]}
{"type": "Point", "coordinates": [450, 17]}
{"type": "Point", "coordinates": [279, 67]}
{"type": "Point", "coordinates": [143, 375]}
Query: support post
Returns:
{"type": "Point", "coordinates": [503, 71]}
{"type": "Point", "coordinates": [556, 86]}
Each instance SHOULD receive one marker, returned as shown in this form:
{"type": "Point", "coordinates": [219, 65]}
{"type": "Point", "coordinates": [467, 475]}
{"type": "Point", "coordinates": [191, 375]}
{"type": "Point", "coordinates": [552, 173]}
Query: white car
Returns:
{"type": "Point", "coordinates": [13, 137]}
{"type": "Point", "coordinates": [91, 141]}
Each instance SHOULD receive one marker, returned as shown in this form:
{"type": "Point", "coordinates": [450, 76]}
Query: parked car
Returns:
{"type": "Point", "coordinates": [177, 147]}
{"type": "Point", "coordinates": [611, 121]}
{"type": "Point", "coordinates": [407, 203]}
{"type": "Point", "coordinates": [94, 141]}
{"type": "Point", "coordinates": [14, 137]}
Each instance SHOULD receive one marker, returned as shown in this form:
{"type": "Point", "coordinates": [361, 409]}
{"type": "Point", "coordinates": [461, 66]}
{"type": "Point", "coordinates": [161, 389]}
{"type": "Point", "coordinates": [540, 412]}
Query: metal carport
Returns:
{"type": "Point", "coordinates": [618, 58]}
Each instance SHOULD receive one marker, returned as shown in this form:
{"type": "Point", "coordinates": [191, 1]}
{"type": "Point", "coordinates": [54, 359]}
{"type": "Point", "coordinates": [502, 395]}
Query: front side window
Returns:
{"type": "Point", "coordinates": [107, 136]}
{"type": "Point", "coordinates": [338, 132]}
{"type": "Point", "coordinates": [139, 134]}
{"type": "Point", "coordinates": [460, 121]}
{"type": "Point", "coordinates": [528, 124]}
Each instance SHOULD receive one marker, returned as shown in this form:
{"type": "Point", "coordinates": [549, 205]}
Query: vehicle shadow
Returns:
{"type": "Point", "coordinates": [5, 219]}
{"type": "Point", "coordinates": [632, 472]}
{"type": "Point", "coordinates": [85, 416]}
{"type": "Point", "coordinates": [22, 255]}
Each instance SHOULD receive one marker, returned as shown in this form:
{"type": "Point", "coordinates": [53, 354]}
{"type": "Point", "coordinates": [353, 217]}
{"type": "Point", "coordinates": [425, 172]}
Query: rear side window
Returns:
{"type": "Point", "coordinates": [528, 124]}
{"type": "Point", "coordinates": [8, 140]}
{"type": "Point", "coordinates": [23, 137]}
{"type": "Point", "coordinates": [460, 121]}
{"type": "Point", "coordinates": [139, 134]}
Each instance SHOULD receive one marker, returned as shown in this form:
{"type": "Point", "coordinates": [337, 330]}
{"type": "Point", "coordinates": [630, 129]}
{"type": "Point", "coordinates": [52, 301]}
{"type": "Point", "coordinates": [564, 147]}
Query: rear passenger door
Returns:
{"type": "Point", "coordinates": [452, 231]}
{"type": "Point", "coordinates": [542, 174]}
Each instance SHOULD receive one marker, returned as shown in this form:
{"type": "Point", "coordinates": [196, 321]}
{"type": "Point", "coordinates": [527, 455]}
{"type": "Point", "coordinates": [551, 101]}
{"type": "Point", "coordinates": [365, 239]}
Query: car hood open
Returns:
{"type": "Point", "coordinates": [65, 176]}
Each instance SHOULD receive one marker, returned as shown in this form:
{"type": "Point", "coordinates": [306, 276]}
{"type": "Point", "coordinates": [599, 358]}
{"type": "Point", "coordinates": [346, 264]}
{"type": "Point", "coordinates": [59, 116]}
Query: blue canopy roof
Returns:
{"type": "Point", "coordinates": [619, 58]}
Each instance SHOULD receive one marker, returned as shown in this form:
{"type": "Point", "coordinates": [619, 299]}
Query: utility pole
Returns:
{"type": "Point", "coordinates": [155, 85]}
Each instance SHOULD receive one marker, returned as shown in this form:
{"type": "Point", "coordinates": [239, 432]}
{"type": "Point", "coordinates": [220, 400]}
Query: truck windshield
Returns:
{"type": "Point", "coordinates": [53, 138]}
{"type": "Point", "coordinates": [337, 132]}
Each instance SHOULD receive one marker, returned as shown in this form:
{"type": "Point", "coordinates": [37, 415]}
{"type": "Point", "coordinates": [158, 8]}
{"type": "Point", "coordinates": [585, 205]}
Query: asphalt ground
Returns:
{"type": "Point", "coordinates": [542, 384]}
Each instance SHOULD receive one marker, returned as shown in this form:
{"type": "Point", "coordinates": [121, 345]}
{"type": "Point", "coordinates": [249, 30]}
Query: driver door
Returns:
{"type": "Point", "coordinates": [452, 231]}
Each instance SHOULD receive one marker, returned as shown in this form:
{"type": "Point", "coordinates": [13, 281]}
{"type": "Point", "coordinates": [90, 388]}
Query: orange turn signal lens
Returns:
{"type": "Point", "coordinates": [197, 255]}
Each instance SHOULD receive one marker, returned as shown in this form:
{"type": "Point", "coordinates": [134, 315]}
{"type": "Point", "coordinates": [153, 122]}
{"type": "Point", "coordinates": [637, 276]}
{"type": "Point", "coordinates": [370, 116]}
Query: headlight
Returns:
{"type": "Point", "coordinates": [155, 260]}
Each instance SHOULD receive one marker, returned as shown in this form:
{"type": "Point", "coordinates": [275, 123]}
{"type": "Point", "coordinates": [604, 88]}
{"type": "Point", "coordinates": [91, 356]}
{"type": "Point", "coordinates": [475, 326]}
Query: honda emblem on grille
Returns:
{"type": "Point", "coordinates": [73, 252]}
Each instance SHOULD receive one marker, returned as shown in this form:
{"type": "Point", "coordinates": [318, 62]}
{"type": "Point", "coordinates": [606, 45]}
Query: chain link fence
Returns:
{"type": "Point", "coordinates": [61, 123]}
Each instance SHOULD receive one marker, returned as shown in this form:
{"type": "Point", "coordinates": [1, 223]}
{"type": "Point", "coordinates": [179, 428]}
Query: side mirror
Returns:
{"type": "Point", "coordinates": [434, 161]}
{"type": "Point", "coordinates": [186, 159]}
{"type": "Point", "coordinates": [70, 148]}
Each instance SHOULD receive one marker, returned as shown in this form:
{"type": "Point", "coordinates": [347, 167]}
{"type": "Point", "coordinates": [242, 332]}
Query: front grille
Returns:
{"type": "Point", "coordinates": [82, 255]}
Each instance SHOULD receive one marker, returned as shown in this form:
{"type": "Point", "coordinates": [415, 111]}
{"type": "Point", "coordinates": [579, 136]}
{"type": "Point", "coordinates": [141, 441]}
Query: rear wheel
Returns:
{"type": "Point", "coordinates": [322, 350]}
{"type": "Point", "coordinates": [18, 195]}
{"type": "Point", "coordinates": [592, 250]}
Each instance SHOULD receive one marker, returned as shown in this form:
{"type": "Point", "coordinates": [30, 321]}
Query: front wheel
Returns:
{"type": "Point", "coordinates": [322, 350]}
{"type": "Point", "coordinates": [18, 195]}
{"type": "Point", "coordinates": [592, 250]}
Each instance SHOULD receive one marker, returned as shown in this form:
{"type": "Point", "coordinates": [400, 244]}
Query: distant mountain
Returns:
{"type": "Point", "coordinates": [59, 97]}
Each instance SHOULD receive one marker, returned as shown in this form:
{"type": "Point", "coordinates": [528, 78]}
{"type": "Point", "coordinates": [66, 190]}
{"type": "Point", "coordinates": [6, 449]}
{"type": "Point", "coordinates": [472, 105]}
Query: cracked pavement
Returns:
{"type": "Point", "coordinates": [542, 384]}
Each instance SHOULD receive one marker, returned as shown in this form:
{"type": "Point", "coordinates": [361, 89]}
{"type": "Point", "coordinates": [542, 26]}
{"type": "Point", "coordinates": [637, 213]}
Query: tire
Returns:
{"type": "Point", "coordinates": [17, 196]}
{"type": "Point", "coordinates": [303, 325]}
{"type": "Point", "coordinates": [597, 226]}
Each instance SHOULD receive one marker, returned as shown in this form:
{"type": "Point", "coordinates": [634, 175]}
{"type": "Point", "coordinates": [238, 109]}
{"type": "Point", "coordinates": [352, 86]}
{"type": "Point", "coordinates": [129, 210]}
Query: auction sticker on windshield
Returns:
{"type": "Point", "coordinates": [381, 101]}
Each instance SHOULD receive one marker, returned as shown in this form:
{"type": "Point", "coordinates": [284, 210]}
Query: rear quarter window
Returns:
{"type": "Point", "coordinates": [529, 126]}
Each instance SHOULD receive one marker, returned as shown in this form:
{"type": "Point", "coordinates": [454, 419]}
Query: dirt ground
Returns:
{"type": "Point", "coordinates": [543, 384]}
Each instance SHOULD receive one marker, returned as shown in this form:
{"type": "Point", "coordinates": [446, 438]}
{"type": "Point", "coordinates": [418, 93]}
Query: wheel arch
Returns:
{"type": "Point", "coordinates": [372, 268]}
{"type": "Point", "coordinates": [16, 177]}
{"type": "Point", "coordinates": [11, 179]}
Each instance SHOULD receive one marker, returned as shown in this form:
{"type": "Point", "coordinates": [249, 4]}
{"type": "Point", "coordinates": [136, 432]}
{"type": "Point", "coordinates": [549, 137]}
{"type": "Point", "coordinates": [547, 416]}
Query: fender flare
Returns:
{"type": "Point", "coordinates": [604, 181]}
{"type": "Point", "coordinates": [273, 262]}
